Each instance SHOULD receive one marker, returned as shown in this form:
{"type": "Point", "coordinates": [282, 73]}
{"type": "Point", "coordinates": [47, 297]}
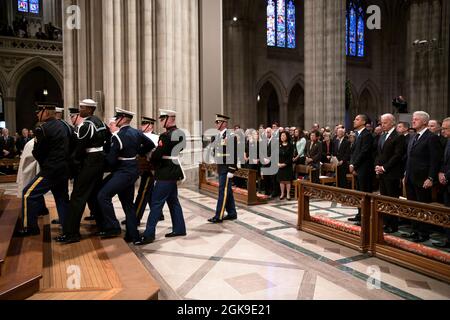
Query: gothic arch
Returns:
{"type": "Point", "coordinates": [277, 84]}
{"type": "Point", "coordinates": [28, 65]}
{"type": "Point", "coordinates": [300, 80]}
{"type": "Point", "coordinates": [375, 93]}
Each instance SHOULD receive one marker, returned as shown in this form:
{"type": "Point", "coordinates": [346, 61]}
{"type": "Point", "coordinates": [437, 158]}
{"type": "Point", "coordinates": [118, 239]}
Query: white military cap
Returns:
{"type": "Point", "coordinates": [88, 103]}
{"type": "Point", "coordinates": [59, 110]}
{"type": "Point", "coordinates": [124, 113]}
{"type": "Point", "coordinates": [163, 113]}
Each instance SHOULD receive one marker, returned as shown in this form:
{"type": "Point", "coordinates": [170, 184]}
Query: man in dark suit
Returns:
{"type": "Point", "coordinates": [341, 151]}
{"type": "Point", "coordinates": [314, 155]}
{"type": "Point", "coordinates": [444, 178]}
{"type": "Point", "coordinates": [422, 168]}
{"type": "Point", "coordinates": [22, 141]}
{"type": "Point", "coordinates": [7, 145]}
{"type": "Point", "coordinates": [390, 167]}
{"type": "Point", "coordinates": [361, 162]}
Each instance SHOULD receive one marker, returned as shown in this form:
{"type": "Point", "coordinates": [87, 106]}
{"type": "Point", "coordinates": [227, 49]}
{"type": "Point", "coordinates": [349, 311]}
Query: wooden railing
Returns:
{"type": "Point", "coordinates": [248, 197]}
{"type": "Point", "coordinates": [309, 191]}
{"type": "Point", "coordinates": [426, 213]}
{"type": "Point", "coordinates": [11, 165]}
{"type": "Point", "coordinates": [370, 237]}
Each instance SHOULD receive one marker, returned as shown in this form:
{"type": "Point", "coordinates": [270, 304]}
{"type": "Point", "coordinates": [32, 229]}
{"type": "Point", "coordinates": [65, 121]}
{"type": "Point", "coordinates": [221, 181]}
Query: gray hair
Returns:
{"type": "Point", "coordinates": [446, 120]}
{"type": "Point", "coordinates": [425, 116]}
{"type": "Point", "coordinates": [389, 116]}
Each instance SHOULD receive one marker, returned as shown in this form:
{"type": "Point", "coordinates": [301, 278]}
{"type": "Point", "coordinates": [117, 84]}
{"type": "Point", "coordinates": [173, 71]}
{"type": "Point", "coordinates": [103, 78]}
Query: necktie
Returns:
{"type": "Point", "coordinates": [447, 152]}
{"type": "Point", "coordinates": [383, 140]}
{"type": "Point", "coordinates": [417, 138]}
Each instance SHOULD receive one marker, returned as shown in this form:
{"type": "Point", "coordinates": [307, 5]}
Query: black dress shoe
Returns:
{"type": "Point", "coordinates": [162, 218]}
{"type": "Point", "coordinates": [68, 239]}
{"type": "Point", "coordinates": [412, 235]}
{"type": "Point", "coordinates": [215, 220]}
{"type": "Point", "coordinates": [90, 218]}
{"type": "Point", "coordinates": [358, 223]}
{"type": "Point", "coordinates": [420, 239]}
{"type": "Point", "coordinates": [230, 218]}
{"type": "Point", "coordinates": [110, 234]}
{"type": "Point", "coordinates": [144, 241]}
{"type": "Point", "coordinates": [355, 219]}
{"type": "Point", "coordinates": [174, 234]}
{"type": "Point", "coordinates": [22, 233]}
{"type": "Point", "coordinates": [442, 245]}
{"type": "Point", "coordinates": [56, 221]}
{"type": "Point", "coordinates": [124, 222]}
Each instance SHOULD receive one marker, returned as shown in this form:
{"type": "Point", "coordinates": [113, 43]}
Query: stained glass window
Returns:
{"type": "Point", "coordinates": [281, 24]}
{"type": "Point", "coordinates": [34, 6]}
{"type": "Point", "coordinates": [28, 6]}
{"type": "Point", "coordinates": [22, 6]}
{"type": "Point", "coordinates": [355, 29]}
{"type": "Point", "coordinates": [291, 24]}
{"type": "Point", "coordinates": [271, 33]}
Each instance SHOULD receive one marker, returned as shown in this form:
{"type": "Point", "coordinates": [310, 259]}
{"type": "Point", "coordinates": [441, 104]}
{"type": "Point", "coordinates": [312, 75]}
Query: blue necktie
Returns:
{"type": "Point", "coordinates": [447, 152]}
{"type": "Point", "coordinates": [383, 139]}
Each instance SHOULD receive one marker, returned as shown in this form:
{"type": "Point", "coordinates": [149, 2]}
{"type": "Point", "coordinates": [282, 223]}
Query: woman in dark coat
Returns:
{"type": "Point", "coordinates": [285, 171]}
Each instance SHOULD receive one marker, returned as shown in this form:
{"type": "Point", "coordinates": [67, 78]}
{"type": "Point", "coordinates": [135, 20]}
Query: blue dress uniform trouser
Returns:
{"type": "Point", "coordinates": [226, 199]}
{"type": "Point", "coordinates": [33, 204]}
{"type": "Point", "coordinates": [144, 195]}
{"type": "Point", "coordinates": [119, 183]}
{"type": "Point", "coordinates": [165, 191]}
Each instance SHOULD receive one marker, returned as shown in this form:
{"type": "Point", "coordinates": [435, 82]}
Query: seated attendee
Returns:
{"type": "Point", "coordinates": [314, 155]}
{"type": "Point", "coordinates": [23, 140]}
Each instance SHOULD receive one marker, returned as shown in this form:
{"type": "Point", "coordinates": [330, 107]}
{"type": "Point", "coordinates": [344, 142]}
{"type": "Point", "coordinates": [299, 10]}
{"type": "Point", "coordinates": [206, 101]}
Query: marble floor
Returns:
{"type": "Point", "coordinates": [263, 256]}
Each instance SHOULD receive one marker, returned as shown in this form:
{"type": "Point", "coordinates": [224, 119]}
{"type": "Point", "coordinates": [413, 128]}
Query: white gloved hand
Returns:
{"type": "Point", "coordinates": [230, 175]}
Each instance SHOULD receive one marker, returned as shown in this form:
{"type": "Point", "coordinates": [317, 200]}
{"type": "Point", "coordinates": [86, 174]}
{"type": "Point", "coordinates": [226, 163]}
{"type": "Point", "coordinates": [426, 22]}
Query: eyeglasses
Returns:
{"type": "Point", "coordinates": [218, 122]}
{"type": "Point", "coordinates": [446, 128]}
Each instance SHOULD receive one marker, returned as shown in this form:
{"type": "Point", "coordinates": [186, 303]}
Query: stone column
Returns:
{"type": "Point", "coordinates": [324, 62]}
{"type": "Point", "coordinates": [237, 70]}
{"type": "Point", "coordinates": [9, 109]}
{"type": "Point", "coordinates": [70, 67]}
{"type": "Point", "coordinates": [108, 58]}
{"type": "Point", "coordinates": [177, 68]}
{"type": "Point", "coordinates": [427, 67]}
{"type": "Point", "coordinates": [148, 59]}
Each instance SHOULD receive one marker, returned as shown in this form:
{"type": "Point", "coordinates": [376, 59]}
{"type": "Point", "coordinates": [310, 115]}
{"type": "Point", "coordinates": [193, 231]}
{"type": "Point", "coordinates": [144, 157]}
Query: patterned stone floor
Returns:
{"type": "Point", "coordinates": [263, 256]}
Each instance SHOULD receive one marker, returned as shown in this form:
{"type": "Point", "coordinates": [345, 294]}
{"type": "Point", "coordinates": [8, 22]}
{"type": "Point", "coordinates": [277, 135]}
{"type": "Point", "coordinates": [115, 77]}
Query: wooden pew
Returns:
{"type": "Point", "coordinates": [247, 197]}
{"type": "Point", "coordinates": [21, 258]}
{"type": "Point", "coordinates": [325, 170]}
{"type": "Point", "coordinates": [12, 164]}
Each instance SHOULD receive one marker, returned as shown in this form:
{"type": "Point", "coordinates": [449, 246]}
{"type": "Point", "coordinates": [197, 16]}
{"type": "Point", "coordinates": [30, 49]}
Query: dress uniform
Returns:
{"type": "Point", "coordinates": [88, 159]}
{"type": "Point", "coordinates": [169, 172]}
{"type": "Point", "coordinates": [126, 145]}
{"type": "Point", "coordinates": [51, 151]}
{"type": "Point", "coordinates": [226, 161]}
{"type": "Point", "coordinates": [147, 177]}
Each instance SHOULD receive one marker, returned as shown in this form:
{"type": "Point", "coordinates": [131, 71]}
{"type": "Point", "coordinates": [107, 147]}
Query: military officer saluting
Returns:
{"type": "Point", "coordinates": [223, 146]}
{"type": "Point", "coordinates": [51, 151]}
{"type": "Point", "coordinates": [126, 145]}
{"type": "Point", "coordinates": [90, 137]}
{"type": "Point", "coordinates": [169, 172]}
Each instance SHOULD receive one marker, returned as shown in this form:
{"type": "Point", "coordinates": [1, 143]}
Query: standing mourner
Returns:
{"type": "Point", "coordinates": [444, 178]}
{"type": "Point", "coordinates": [361, 162]}
{"type": "Point", "coordinates": [390, 166]}
{"type": "Point", "coordinates": [126, 145]}
{"type": "Point", "coordinates": [89, 154]}
{"type": "Point", "coordinates": [225, 155]}
{"type": "Point", "coordinates": [51, 150]}
{"type": "Point", "coordinates": [422, 169]}
{"type": "Point", "coordinates": [166, 161]}
{"type": "Point", "coordinates": [285, 170]}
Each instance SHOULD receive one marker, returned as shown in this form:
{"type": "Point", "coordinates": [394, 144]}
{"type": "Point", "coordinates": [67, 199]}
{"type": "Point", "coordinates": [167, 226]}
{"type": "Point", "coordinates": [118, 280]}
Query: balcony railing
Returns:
{"type": "Point", "coordinates": [31, 46]}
